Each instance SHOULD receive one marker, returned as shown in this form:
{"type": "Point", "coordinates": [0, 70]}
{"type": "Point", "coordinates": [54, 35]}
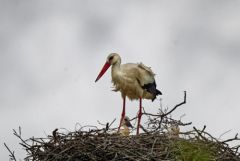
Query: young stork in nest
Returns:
{"type": "Point", "coordinates": [124, 129]}
{"type": "Point", "coordinates": [136, 81]}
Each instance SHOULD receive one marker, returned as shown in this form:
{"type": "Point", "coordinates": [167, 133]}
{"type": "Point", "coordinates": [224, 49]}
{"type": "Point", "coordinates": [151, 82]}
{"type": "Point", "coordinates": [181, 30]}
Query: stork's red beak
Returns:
{"type": "Point", "coordinates": [104, 69]}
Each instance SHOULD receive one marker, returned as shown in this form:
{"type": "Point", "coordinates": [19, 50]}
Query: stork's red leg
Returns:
{"type": "Point", "coordinates": [123, 113]}
{"type": "Point", "coordinates": [139, 115]}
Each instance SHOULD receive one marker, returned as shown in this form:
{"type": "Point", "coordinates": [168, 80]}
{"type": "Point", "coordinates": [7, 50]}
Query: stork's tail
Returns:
{"type": "Point", "coordinates": [155, 93]}
{"type": "Point", "coordinates": [158, 92]}
{"type": "Point", "coordinates": [151, 88]}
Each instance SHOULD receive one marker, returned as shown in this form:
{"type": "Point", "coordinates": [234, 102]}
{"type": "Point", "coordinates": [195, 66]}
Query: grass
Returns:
{"type": "Point", "coordinates": [195, 150]}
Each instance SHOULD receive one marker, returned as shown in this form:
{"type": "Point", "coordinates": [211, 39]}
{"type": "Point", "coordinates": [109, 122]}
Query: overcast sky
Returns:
{"type": "Point", "coordinates": [52, 51]}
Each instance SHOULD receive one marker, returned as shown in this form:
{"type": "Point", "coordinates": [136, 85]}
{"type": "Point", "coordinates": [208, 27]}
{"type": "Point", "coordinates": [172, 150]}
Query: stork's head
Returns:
{"type": "Point", "coordinates": [112, 59]}
{"type": "Point", "coordinates": [126, 121]}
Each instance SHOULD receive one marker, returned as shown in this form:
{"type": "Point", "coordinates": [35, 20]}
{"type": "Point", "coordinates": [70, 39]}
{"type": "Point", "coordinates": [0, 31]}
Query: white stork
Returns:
{"type": "Point", "coordinates": [136, 81]}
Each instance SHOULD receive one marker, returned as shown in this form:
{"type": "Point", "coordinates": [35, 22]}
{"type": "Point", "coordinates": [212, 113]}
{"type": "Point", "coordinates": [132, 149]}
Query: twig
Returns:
{"type": "Point", "coordinates": [233, 139]}
{"type": "Point", "coordinates": [12, 155]}
{"type": "Point", "coordinates": [174, 108]}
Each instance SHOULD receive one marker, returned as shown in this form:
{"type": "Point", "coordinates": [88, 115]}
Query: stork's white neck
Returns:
{"type": "Point", "coordinates": [116, 68]}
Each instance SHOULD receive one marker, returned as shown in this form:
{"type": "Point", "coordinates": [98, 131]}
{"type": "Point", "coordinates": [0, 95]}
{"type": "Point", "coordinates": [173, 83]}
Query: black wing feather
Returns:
{"type": "Point", "coordinates": [152, 88]}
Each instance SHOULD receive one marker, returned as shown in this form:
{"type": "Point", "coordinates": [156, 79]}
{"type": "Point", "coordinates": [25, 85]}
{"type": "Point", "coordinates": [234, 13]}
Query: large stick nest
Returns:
{"type": "Point", "coordinates": [158, 142]}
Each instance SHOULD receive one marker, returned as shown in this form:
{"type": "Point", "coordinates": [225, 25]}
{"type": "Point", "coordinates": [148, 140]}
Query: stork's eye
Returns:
{"type": "Point", "coordinates": [111, 58]}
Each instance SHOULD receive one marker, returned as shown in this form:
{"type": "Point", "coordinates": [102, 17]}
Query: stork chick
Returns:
{"type": "Point", "coordinates": [173, 131]}
{"type": "Point", "coordinates": [126, 124]}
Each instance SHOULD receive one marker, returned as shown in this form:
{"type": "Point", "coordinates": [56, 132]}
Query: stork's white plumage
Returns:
{"type": "Point", "coordinates": [136, 81]}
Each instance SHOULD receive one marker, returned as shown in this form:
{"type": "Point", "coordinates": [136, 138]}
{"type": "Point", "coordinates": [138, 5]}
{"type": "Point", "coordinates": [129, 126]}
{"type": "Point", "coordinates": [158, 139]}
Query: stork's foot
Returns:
{"type": "Point", "coordinates": [121, 120]}
{"type": "Point", "coordinates": [139, 121]}
{"type": "Point", "coordinates": [139, 114]}
{"type": "Point", "coordinates": [123, 113]}
{"type": "Point", "coordinates": [138, 126]}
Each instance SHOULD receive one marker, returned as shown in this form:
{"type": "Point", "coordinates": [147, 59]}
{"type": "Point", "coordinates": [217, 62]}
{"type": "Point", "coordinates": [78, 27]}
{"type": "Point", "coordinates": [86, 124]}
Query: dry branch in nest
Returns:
{"type": "Point", "coordinates": [160, 141]}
